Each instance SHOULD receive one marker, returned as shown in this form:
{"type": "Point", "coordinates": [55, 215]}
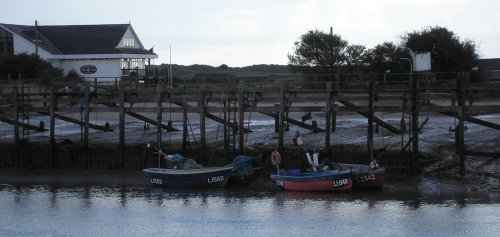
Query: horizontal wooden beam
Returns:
{"type": "Point", "coordinates": [375, 119]}
{"type": "Point", "coordinates": [24, 125]}
{"type": "Point", "coordinates": [296, 122]}
{"type": "Point", "coordinates": [143, 118]}
{"type": "Point", "coordinates": [78, 122]}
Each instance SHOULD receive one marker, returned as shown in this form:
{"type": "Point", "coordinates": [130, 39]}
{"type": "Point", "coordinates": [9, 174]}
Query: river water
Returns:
{"type": "Point", "coordinates": [47, 210]}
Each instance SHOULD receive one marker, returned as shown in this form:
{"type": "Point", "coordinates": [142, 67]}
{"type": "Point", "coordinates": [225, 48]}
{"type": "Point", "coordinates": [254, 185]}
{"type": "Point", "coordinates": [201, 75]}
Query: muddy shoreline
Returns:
{"type": "Point", "coordinates": [434, 171]}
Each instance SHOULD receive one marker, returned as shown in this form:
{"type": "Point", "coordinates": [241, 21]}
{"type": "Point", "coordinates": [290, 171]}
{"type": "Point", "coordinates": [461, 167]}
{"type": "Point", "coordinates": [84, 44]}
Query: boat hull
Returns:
{"type": "Point", "coordinates": [315, 182]}
{"type": "Point", "coordinates": [204, 177]}
{"type": "Point", "coordinates": [364, 177]}
{"type": "Point", "coordinates": [243, 179]}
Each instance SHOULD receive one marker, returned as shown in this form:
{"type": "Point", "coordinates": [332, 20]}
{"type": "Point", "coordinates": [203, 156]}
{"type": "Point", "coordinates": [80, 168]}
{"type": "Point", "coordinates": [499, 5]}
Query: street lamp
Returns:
{"type": "Point", "coordinates": [409, 61]}
{"type": "Point", "coordinates": [385, 74]}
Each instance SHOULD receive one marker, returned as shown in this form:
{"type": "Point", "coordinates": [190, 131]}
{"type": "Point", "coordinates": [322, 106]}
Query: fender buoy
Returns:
{"type": "Point", "coordinates": [275, 158]}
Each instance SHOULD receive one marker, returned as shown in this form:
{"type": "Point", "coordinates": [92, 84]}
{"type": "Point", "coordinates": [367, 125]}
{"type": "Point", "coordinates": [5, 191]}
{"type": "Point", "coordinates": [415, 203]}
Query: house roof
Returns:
{"type": "Point", "coordinates": [78, 39]}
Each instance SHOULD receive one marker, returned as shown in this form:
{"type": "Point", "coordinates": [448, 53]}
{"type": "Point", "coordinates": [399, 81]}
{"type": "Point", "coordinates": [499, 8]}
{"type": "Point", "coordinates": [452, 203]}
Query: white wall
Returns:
{"type": "Point", "coordinates": [105, 68]}
{"type": "Point", "coordinates": [129, 35]}
{"type": "Point", "coordinates": [21, 45]}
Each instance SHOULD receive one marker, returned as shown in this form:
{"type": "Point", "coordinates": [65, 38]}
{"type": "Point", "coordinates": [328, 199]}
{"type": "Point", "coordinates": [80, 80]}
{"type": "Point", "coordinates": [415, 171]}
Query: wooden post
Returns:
{"type": "Point", "coordinates": [52, 126]}
{"type": "Point", "coordinates": [16, 126]}
{"type": "Point", "coordinates": [241, 117]}
{"type": "Point", "coordinates": [461, 115]}
{"type": "Point", "coordinates": [234, 114]}
{"type": "Point", "coordinates": [226, 134]}
{"type": "Point", "coordinates": [328, 115]}
{"type": "Point", "coordinates": [158, 115]}
{"type": "Point", "coordinates": [414, 115]}
{"type": "Point", "coordinates": [281, 114]}
{"type": "Point", "coordinates": [16, 115]}
{"type": "Point", "coordinates": [22, 104]}
{"type": "Point", "coordinates": [201, 108]}
{"type": "Point", "coordinates": [121, 128]}
{"type": "Point", "coordinates": [184, 125]}
{"type": "Point", "coordinates": [86, 126]}
{"type": "Point", "coordinates": [337, 83]}
{"type": "Point", "coordinates": [371, 112]}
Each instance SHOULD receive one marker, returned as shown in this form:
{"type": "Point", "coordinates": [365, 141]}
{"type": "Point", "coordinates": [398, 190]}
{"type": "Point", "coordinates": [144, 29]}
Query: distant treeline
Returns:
{"type": "Point", "coordinates": [222, 73]}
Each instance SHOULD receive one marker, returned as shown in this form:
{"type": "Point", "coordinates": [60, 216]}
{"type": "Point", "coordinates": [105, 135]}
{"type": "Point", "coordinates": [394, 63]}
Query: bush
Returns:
{"type": "Point", "coordinates": [30, 66]}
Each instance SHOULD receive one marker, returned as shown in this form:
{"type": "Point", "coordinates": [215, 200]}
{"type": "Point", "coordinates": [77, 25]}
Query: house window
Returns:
{"type": "Point", "coordinates": [132, 64]}
{"type": "Point", "coordinates": [128, 43]}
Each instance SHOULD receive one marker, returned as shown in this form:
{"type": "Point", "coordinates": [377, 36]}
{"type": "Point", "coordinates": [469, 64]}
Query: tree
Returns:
{"type": "Point", "coordinates": [357, 58]}
{"type": "Point", "coordinates": [387, 56]}
{"type": "Point", "coordinates": [318, 51]}
{"type": "Point", "coordinates": [223, 67]}
{"type": "Point", "coordinates": [448, 52]}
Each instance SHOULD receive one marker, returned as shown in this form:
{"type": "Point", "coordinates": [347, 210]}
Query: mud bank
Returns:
{"type": "Point", "coordinates": [67, 156]}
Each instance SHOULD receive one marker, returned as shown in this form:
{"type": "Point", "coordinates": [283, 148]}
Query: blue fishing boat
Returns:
{"type": "Point", "coordinates": [180, 171]}
{"type": "Point", "coordinates": [200, 177]}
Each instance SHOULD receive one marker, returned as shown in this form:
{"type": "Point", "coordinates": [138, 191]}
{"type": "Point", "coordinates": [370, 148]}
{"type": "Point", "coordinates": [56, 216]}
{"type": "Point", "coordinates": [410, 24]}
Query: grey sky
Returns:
{"type": "Point", "coordinates": [241, 33]}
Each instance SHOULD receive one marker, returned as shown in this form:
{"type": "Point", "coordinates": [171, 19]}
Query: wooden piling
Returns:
{"type": "Point", "coordinates": [281, 116]}
{"type": "Point", "coordinates": [121, 127]}
{"type": "Point", "coordinates": [16, 115]}
{"type": "Point", "coordinates": [241, 117]}
{"type": "Point", "coordinates": [460, 129]}
{"type": "Point", "coordinates": [328, 128]}
{"type": "Point", "coordinates": [202, 110]}
{"type": "Point", "coordinates": [226, 134]}
{"type": "Point", "coordinates": [52, 125]}
{"type": "Point", "coordinates": [16, 126]}
{"type": "Point", "coordinates": [184, 125]}
{"type": "Point", "coordinates": [371, 111]}
{"type": "Point", "coordinates": [158, 114]}
{"type": "Point", "coordinates": [414, 115]}
{"type": "Point", "coordinates": [337, 82]}
{"type": "Point", "coordinates": [88, 163]}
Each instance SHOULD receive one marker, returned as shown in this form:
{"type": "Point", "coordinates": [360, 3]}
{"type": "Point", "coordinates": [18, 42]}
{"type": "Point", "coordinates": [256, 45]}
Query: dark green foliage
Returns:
{"type": "Point", "coordinates": [223, 67]}
{"type": "Point", "coordinates": [181, 73]}
{"type": "Point", "coordinates": [73, 77]}
{"type": "Point", "coordinates": [33, 68]}
{"type": "Point", "coordinates": [30, 66]}
{"type": "Point", "coordinates": [386, 56]}
{"type": "Point", "coordinates": [212, 77]}
{"type": "Point", "coordinates": [322, 52]}
{"type": "Point", "coordinates": [448, 52]}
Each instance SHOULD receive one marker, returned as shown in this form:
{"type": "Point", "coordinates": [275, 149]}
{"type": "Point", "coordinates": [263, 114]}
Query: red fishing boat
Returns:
{"type": "Point", "coordinates": [314, 182]}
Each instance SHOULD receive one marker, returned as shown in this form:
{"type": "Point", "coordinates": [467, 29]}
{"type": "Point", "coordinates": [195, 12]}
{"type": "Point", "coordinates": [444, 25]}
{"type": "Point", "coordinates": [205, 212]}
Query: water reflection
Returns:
{"type": "Point", "coordinates": [132, 211]}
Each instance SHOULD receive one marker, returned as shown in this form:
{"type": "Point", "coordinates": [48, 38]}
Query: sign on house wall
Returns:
{"type": "Point", "coordinates": [88, 69]}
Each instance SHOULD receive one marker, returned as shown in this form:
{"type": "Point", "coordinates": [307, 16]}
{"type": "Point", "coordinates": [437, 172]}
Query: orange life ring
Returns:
{"type": "Point", "coordinates": [275, 158]}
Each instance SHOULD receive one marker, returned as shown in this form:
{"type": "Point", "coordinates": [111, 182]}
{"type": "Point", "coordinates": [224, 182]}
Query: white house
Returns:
{"type": "Point", "coordinates": [94, 51]}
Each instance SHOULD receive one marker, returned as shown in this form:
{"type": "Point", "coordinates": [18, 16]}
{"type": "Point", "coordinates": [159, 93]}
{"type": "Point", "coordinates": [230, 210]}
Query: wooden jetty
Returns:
{"type": "Point", "coordinates": [278, 98]}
